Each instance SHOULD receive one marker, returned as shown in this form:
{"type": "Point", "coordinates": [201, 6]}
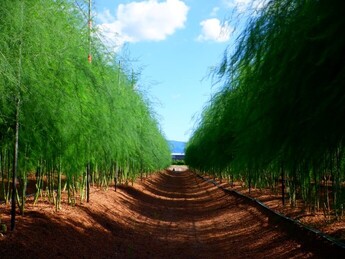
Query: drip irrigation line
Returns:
{"type": "Point", "coordinates": [318, 236]}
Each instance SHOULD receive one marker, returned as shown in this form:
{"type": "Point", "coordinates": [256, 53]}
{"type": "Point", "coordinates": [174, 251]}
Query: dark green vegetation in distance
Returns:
{"type": "Point", "coordinates": [178, 162]}
{"type": "Point", "coordinates": [73, 116]}
{"type": "Point", "coordinates": [280, 114]}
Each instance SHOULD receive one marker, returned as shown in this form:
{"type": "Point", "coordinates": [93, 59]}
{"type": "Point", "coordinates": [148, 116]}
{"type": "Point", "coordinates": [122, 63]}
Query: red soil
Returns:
{"type": "Point", "coordinates": [170, 214]}
{"type": "Point", "coordinates": [319, 220]}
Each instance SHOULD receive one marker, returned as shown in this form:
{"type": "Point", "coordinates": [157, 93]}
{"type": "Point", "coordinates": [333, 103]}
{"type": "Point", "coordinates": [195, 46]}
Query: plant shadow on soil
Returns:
{"type": "Point", "coordinates": [171, 214]}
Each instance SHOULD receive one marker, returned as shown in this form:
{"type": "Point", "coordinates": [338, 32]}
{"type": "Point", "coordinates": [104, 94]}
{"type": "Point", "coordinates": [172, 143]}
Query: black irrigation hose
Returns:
{"type": "Point", "coordinates": [317, 237]}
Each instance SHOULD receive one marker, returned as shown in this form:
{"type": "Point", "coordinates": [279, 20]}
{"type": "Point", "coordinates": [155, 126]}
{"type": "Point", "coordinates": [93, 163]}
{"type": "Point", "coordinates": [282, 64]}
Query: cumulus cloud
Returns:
{"type": "Point", "coordinates": [213, 30]}
{"type": "Point", "coordinates": [150, 20]}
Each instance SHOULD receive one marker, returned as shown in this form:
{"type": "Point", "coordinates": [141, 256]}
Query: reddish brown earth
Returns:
{"type": "Point", "coordinates": [320, 220]}
{"type": "Point", "coordinates": [169, 214]}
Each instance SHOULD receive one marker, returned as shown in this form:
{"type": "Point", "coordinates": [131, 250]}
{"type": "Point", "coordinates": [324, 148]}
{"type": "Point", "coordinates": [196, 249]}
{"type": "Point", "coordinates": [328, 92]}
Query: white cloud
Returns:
{"type": "Point", "coordinates": [213, 30]}
{"type": "Point", "coordinates": [150, 20]}
{"type": "Point", "coordinates": [105, 16]}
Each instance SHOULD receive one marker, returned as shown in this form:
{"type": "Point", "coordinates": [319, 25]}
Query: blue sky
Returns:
{"type": "Point", "coordinates": [172, 45]}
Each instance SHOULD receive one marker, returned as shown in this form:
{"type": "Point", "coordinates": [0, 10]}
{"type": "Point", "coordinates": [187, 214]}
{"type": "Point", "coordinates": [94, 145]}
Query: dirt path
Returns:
{"type": "Point", "coordinates": [171, 214]}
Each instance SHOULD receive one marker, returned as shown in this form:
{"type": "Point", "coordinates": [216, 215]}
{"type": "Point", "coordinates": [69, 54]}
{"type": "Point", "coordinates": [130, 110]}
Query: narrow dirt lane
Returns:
{"type": "Point", "coordinates": [193, 219]}
{"type": "Point", "coordinates": [168, 215]}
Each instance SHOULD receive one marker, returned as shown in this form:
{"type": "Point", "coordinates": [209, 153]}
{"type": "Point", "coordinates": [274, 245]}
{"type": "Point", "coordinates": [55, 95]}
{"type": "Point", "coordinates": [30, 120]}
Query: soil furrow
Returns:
{"type": "Point", "coordinates": [170, 214]}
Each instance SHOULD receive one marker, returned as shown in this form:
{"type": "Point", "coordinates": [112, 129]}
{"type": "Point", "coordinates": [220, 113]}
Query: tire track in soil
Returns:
{"type": "Point", "coordinates": [182, 216]}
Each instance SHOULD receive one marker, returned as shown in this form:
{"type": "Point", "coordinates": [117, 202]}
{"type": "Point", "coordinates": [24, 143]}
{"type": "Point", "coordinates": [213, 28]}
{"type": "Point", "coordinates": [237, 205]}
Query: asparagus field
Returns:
{"type": "Point", "coordinates": [278, 120]}
{"type": "Point", "coordinates": [69, 112]}
{"type": "Point", "coordinates": [79, 141]}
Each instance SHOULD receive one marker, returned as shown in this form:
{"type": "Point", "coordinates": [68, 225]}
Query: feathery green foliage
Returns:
{"type": "Point", "coordinates": [280, 112]}
{"type": "Point", "coordinates": [72, 113]}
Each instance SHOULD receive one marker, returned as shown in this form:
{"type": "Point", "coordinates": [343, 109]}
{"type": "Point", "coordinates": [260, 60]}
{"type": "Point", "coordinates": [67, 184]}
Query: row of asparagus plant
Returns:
{"type": "Point", "coordinates": [64, 120]}
{"type": "Point", "coordinates": [278, 119]}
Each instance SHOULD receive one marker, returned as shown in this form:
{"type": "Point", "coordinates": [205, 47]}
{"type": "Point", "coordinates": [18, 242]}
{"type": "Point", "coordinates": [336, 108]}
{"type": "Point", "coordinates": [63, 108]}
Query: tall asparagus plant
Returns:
{"type": "Point", "coordinates": [72, 113]}
{"type": "Point", "coordinates": [282, 103]}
